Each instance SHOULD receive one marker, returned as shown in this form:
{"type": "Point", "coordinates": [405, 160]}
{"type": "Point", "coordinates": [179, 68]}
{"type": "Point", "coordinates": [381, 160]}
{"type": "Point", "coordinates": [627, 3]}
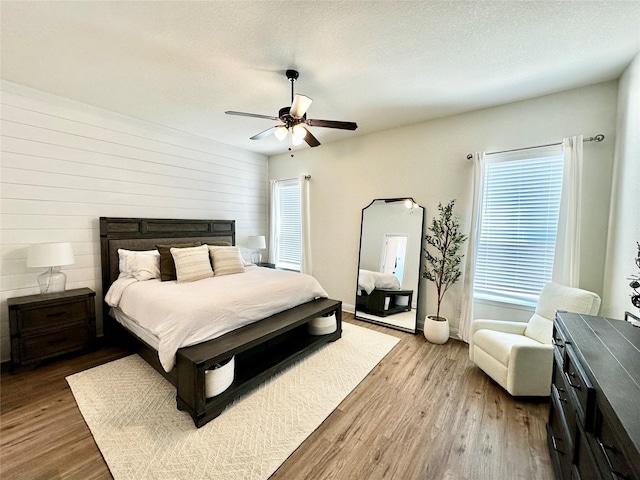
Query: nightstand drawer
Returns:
{"type": "Point", "coordinates": [45, 346]}
{"type": "Point", "coordinates": [53, 316]}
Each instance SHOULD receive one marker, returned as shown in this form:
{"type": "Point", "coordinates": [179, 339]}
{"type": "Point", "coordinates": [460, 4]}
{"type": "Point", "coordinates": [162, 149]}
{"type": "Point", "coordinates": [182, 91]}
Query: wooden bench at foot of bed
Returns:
{"type": "Point", "coordinates": [261, 349]}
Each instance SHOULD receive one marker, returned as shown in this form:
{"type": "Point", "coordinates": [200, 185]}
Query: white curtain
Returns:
{"type": "Point", "coordinates": [566, 261]}
{"type": "Point", "coordinates": [273, 220]}
{"type": "Point", "coordinates": [466, 314]}
{"type": "Point", "coordinates": [306, 265]}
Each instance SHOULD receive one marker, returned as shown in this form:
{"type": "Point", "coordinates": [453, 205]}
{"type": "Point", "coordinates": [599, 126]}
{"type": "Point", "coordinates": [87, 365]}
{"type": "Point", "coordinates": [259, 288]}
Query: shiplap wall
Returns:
{"type": "Point", "coordinates": [64, 164]}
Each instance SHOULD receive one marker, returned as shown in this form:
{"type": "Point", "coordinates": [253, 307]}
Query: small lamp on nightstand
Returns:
{"type": "Point", "coordinates": [256, 242]}
{"type": "Point", "coordinates": [53, 256]}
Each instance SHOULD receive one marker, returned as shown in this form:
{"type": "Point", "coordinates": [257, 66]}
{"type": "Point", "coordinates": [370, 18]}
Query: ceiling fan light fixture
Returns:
{"type": "Point", "coordinates": [281, 132]}
{"type": "Point", "coordinates": [298, 132]}
{"type": "Point", "coordinates": [300, 105]}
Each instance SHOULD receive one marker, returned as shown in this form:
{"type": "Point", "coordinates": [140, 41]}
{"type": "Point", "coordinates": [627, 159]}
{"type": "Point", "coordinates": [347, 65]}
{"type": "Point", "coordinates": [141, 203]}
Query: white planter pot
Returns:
{"type": "Point", "coordinates": [436, 331]}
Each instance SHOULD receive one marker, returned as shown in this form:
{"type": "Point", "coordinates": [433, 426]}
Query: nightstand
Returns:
{"type": "Point", "coordinates": [46, 326]}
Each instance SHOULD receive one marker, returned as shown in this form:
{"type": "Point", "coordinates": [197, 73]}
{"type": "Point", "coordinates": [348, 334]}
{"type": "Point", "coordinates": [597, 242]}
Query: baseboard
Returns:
{"type": "Point", "coordinates": [453, 333]}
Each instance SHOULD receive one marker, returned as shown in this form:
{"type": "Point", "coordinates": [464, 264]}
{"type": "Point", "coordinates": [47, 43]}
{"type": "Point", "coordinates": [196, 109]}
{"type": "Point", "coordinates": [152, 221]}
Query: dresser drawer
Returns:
{"type": "Point", "coordinates": [559, 341]}
{"type": "Point", "coordinates": [560, 391]}
{"type": "Point", "coordinates": [559, 439]}
{"type": "Point", "coordinates": [40, 347]}
{"type": "Point", "coordinates": [53, 317]}
{"type": "Point", "coordinates": [585, 463]}
{"type": "Point", "coordinates": [608, 450]}
{"type": "Point", "coordinates": [580, 387]}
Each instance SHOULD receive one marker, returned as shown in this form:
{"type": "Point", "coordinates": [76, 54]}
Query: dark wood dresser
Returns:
{"type": "Point", "coordinates": [45, 326]}
{"type": "Point", "coordinates": [594, 419]}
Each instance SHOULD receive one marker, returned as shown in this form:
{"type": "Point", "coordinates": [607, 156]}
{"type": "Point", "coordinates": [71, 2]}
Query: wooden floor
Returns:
{"type": "Point", "coordinates": [425, 412]}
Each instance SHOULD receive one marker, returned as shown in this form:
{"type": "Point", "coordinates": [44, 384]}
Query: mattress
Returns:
{"type": "Point", "coordinates": [133, 326]}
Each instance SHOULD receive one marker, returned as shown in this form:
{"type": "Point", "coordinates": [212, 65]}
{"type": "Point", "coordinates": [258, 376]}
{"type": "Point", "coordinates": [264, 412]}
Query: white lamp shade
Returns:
{"type": "Point", "coordinates": [299, 106]}
{"type": "Point", "coordinates": [50, 255]}
{"type": "Point", "coordinates": [298, 132]}
{"type": "Point", "coordinates": [256, 242]}
{"type": "Point", "coordinates": [281, 132]}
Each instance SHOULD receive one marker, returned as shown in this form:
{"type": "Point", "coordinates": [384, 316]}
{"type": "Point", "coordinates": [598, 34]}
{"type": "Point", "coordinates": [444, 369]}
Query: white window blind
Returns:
{"type": "Point", "coordinates": [288, 253]}
{"type": "Point", "coordinates": [520, 206]}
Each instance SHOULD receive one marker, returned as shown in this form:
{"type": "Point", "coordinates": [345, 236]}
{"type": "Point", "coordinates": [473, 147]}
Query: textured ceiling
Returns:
{"type": "Point", "coordinates": [378, 63]}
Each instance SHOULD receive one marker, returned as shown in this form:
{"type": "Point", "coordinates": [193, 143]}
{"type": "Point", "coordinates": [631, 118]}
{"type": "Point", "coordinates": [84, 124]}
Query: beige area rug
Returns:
{"type": "Point", "coordinates": [131, 411]}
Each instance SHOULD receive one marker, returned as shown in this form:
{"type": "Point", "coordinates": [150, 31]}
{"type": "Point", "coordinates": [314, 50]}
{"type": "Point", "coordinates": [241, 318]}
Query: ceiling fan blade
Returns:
{"type": "Point", "coordinates": [265, 133]}
{"type": "Point", "coordinates": [254, 115]}
{"type": "Point", "coordinates": [310, 139]}
{"type": "Point", "coordinates": [332, 124]}
{"type": "Point", "coordinates": [299, 106]}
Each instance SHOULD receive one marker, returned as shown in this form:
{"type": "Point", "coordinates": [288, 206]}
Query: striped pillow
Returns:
{"type": "Point", "coordinates": [226, 260]}
{"type": "Point", "coordinates": [192, 263]}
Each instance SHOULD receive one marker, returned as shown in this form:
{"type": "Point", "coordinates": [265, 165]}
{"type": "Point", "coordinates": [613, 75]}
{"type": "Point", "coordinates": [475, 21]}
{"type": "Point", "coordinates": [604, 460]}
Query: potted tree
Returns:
{"type": "Point", "coordinates": [442, 266]}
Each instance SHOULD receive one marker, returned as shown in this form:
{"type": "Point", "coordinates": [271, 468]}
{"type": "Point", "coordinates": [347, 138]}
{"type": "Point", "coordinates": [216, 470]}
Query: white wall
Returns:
{"type": "Point", "coordinates": [428, 162]}
{"type": "Point", "coordinates": [64, 164]}
{"type": "Point", "coordinates": [624, 221]}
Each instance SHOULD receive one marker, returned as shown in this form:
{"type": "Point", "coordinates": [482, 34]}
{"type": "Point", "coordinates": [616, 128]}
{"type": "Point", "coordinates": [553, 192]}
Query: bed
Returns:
{"type": "Point", "coordinates": [255, 350]}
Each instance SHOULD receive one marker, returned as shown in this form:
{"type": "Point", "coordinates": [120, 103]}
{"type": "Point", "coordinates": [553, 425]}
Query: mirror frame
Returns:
{"type": "Point", "coordinates": [416, 300]}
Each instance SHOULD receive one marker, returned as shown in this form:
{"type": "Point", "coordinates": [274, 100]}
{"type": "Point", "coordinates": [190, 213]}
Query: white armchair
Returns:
{"type": "Point", "coordinates": [519, 356]}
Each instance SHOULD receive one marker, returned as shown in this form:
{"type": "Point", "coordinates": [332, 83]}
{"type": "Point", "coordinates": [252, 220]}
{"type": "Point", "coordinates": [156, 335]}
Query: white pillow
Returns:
{"type": "Point", "coordinates": [125, 268]}
{"type": "Point", "coordinates": [226, 260]}
{"type": "Point", "coordinates": [144, 267]}
{"type": "Point", "coordinates": [192, 263]}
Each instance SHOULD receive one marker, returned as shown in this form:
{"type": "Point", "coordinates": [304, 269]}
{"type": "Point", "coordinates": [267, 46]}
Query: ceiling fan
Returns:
{"type": "Point", "coordinates": [294, 119]}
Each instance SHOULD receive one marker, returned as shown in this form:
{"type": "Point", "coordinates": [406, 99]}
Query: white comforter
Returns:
{"type": "Point", "coordinates": [183, 314]}
{"type": "Point", "coordinates": [368, 280]}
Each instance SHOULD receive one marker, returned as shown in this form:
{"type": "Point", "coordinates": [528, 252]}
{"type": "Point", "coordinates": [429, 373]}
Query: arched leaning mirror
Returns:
{"type": "Point", "coordinates": [389, 263]}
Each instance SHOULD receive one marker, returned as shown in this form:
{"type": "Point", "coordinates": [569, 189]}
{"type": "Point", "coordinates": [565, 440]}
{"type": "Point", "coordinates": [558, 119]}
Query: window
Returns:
{"type": "Point", "coordinates": [520, 205]}
{"type": "Point", "coordinates": [288, 225]}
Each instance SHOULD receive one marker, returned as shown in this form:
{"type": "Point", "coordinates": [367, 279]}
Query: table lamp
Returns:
{"type": "Point", "coordinates": [256, 242]}
{"type": "Point", "coordinates": [53, 256]}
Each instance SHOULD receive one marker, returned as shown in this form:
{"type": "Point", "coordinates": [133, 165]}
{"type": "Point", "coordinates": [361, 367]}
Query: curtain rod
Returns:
{"type": "Point", "coordinates": [597, 138]}
{"type": "Point", "coordinates": [306, 177]}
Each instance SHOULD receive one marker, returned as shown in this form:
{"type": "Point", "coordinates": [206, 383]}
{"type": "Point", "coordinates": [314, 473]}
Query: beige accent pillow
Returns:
{"type": "Point", "coordinates": [226, 260]}
{"type": "Point", "coordinates": [167, 265]}
{"type": "Point", "coordinates": [192, 263]}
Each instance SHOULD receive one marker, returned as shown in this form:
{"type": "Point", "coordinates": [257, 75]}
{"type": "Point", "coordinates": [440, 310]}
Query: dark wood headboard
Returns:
{"type": "Point", "coordinates": [145, 233]}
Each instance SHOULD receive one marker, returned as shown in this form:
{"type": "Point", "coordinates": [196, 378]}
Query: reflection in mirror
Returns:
{"type": "Point", "coordinates": [389, 263]}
